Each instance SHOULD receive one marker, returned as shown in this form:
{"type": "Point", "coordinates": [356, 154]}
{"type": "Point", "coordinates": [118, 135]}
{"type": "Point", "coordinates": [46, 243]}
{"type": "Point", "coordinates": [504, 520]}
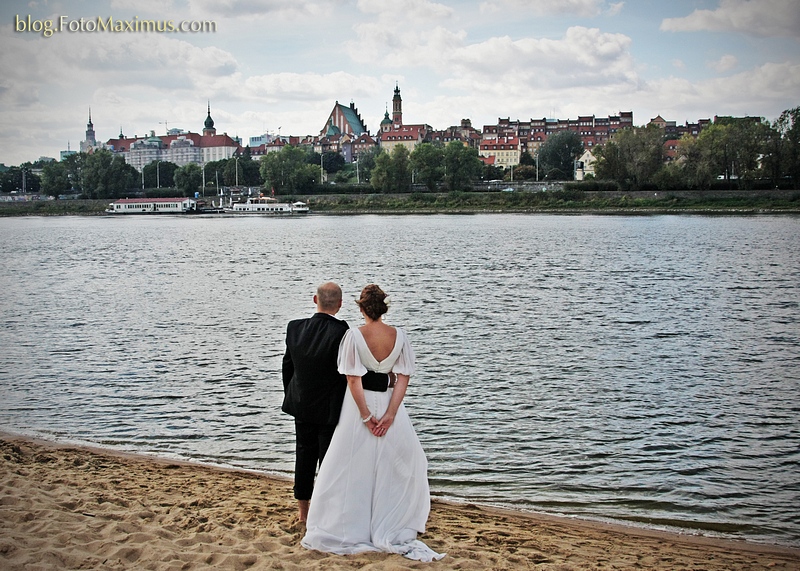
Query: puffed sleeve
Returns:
{"type": "Point", "coordinates": [406, 362]}
{"type": "Point", "coordinates": [349, 363]}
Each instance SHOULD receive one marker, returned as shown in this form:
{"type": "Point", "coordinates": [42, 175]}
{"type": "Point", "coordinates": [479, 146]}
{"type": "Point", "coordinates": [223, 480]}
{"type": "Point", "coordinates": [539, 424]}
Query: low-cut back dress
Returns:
{"type": "Point", "coordinates": [371, 493]}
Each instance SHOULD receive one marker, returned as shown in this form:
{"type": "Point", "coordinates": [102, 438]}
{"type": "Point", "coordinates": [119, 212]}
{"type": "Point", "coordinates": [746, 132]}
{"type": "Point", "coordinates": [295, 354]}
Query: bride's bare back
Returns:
{"type": "Point", "coordinates": [380, 339]}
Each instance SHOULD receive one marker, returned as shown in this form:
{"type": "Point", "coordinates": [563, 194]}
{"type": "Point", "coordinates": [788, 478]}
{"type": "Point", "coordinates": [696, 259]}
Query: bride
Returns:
{"type": "Point", "coordinates": [372, 492]}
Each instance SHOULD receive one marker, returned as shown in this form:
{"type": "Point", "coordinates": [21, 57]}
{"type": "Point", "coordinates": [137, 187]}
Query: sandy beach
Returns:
{"type": "Point", "coordinates": [67, 507]}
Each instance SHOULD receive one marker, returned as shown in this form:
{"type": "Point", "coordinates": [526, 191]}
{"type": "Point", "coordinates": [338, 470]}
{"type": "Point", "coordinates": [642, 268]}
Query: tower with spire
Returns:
{"type": "Point", "coordinates": [394, 132]}
{"type": "Point", "coordinates": [397, 107]}
{"type": "Point", "coordinates": [208, 126]}
{"type": "Point", "coordinates": [90, 143]}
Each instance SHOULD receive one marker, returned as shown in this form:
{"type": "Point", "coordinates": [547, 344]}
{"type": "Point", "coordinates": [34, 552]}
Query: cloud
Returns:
{"type": "Point", "coordinates": [310, 86]}
{"type": "Point", "coordinates": [580, 8]}
{"type": "Point", "coordinates": [239, 9]}
{"type": "Point", "coordinates": [763, 18]}
{"type": "Point", "coordinates": [415, 10]}
{"type": "Point", "coordinates": [725, 63]}
{"type": "Point", "coordinates": [583, 56]}
{"type": "Point", "coordinates": [772, 86]}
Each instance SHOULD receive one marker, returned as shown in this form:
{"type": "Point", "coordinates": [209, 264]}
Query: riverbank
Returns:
{"type": "Point", "coordinates": [557, 202]}
{"type": "Point", "coordinates": [69, 507]}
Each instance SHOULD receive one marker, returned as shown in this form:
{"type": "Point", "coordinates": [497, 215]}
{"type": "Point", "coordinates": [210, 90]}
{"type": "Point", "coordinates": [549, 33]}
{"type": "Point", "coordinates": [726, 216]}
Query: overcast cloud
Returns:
{"type": "Point", "coordinates": [273, 66]}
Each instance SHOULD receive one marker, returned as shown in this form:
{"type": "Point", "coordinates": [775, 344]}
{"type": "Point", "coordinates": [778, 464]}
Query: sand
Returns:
{"type": "Point", "coordinates": [67, 507]}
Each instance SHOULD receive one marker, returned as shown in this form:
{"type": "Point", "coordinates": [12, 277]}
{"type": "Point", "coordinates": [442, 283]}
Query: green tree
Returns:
{"type": "Point", "coordinates": [189, 179]}
{"type": "Point", "coordinates": [788, 125]}
{"type": "Point", "coordinates": [251, 172]}
{"type": "Point", "coordinates": [19, 178]}
{"type": "Point", "coordinates": [525, 159]}
{"type": "Point", "coordinates": [427, 161]}
{"type": "Point", "coordinates": [215, 175]}
{"type": "Point", "coordinates": [73, 165]}
{"type": "Point", "coordinates": [771, 166]}
{"type": "Point", "coordinates": [392, 172]}
{"type": "Point", "coordinates": [738, 147]}
{"type": "Point", "coordinates": [288, 171]}
{"type": "Point", "coordinates": [55, 179]}
{"type": "Point", "coordinates": [492, 172]}
{"type": "Point", "coordinates": [558, 154]}
{"type": "Point", "coordinates": [159, 174]}
{"type": "Point", "coordinates": [106, 175]}
{"type": "Point", "coordinates": [632, 158]}
{"type": "Point", "coordinates": [671, 177]}
{"type": "Point", "coordinates": [525, 172]}
{"type": "Point", "coordinates": [332, 162]}
{"type": "Point", "coordinates": [381, 178]}
{"type": "Point", "coordinates": [462, 166]}
{"type": "Point", "coordinates": [366, 162]}
{"type": "Point", "coordinates": [697, 172]}
{"type": "Point", "coordinates": [401, 169]}
{"type": "Point", "coordinates": [233, 173]}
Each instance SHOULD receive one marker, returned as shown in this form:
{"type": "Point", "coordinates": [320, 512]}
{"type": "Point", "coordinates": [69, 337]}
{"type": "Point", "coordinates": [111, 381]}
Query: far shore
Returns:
{"type": "Point", "coordinates": [77, 507]}
{"type": "Point", "coordinates": [524, 202]}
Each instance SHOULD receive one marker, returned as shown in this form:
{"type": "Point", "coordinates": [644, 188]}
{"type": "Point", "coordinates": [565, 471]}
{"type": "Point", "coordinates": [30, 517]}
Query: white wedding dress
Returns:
{"type": "Point", "coordinates": [371, 493]}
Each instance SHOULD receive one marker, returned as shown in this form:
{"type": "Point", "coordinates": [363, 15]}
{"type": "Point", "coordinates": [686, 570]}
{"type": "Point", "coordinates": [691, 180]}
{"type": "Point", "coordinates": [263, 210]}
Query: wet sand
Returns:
{"type": "Point", "coordinates": [68, 507]}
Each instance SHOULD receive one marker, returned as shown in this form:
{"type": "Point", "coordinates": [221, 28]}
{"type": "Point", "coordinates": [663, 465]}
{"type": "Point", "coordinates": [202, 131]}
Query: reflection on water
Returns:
{"type": "Point", "coordinates": [636, 368]}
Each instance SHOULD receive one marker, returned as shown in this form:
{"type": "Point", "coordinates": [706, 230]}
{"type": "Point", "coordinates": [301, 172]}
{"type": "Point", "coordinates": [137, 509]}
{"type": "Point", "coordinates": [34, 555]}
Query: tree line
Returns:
{"type": "Point", "coordinates": [732, 151]}
{"type": "Point", "coordinates": [292, 170]}
{"type": "Point", "coordinates": [103, 174]}
{"type": "Point", "coordinates": [295, 170]}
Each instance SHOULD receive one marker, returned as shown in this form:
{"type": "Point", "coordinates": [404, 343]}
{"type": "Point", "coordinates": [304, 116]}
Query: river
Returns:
{"type": "Point", "coordinates": [642, 369]}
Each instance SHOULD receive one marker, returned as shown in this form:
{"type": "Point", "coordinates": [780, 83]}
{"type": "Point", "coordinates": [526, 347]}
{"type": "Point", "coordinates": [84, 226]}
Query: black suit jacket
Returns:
{"type": "Point", "coordinates": [313, 388]}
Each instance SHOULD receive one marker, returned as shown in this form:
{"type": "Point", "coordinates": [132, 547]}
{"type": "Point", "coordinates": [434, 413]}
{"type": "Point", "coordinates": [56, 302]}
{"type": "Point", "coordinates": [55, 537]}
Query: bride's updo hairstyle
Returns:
{"type": "Point", "coordinates": [373, 301]}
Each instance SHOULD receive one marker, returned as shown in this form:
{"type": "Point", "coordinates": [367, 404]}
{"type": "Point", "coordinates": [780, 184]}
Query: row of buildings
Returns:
{"type": "Point", "coordinates": [345, 132]}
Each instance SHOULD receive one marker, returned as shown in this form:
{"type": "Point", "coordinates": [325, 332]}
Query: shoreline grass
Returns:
{"type": "Point", "coordinates": [557, 202]}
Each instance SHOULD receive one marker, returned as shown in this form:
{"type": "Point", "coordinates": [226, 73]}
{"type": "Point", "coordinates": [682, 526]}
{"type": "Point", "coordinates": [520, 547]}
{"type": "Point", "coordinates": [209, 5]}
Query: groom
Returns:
{"type": "Point", "coordinates": [313, 388]}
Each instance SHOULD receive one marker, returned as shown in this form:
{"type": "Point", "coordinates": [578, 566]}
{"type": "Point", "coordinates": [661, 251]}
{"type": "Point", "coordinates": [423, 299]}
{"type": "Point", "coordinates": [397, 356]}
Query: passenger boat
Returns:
{"type": "Point", "coordinates": [266, 205]}
{"type": "Point", "coordinates": [152, 206]}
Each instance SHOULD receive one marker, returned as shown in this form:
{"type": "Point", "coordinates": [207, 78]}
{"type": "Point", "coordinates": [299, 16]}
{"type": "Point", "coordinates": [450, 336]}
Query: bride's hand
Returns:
{"type": "Point", "coordinates": [383, 425]}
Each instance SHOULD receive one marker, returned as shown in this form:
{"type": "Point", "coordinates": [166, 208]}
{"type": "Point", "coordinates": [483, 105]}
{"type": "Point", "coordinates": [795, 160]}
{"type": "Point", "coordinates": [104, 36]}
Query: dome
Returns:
{"type": "Point", "coordinates": [209, 123]}
{"type": "Point", "coordinates": [386, 120]}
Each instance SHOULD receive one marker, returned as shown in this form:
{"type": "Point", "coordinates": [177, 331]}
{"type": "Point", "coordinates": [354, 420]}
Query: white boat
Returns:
{"type": "Point", "coordinates": [152, 206]}
{"type": "Point", "coordinates": [266, 205]}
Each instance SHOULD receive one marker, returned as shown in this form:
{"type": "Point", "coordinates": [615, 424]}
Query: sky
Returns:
{"type": "Point", "coordinates": [278, 66]}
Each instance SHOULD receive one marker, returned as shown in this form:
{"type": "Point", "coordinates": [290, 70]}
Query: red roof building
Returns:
{"type": "Point", "coordinates": [505, 150]}
{"type": "Point", "coordinates": [176, 146]}
{"type": "Point", "coordinates": [394, 132]}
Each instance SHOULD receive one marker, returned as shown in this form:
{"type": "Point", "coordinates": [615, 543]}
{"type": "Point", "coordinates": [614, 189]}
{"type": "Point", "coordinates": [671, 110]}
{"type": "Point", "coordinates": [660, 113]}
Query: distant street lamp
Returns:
{"type": "Point", "coordinates": [158, 173]}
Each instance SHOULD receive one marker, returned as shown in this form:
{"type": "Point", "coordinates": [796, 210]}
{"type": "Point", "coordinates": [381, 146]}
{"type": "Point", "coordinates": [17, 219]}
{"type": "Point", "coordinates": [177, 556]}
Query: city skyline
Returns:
{"type": "Point", "coordinates": [272, 68]}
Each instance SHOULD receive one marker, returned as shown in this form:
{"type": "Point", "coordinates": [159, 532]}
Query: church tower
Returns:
{"type": "Point", "coordinates": [90, 143]}
{"type": "Point", "coordinates": [397, 107]}
{"type": "Point", "coordinates": [208, 126]}
{"type": "Point", "coordinates": [386, 124]}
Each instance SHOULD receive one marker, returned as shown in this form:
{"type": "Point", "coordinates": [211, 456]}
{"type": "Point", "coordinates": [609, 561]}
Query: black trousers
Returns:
{"type": "Point", "coordinates": [312, 441]}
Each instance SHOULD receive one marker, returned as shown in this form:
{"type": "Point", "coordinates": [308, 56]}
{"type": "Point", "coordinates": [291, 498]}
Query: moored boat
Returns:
{"type": "Point", "coordinates": [152, 206]}
{"type": "Point", "coordinates": [266, 205]}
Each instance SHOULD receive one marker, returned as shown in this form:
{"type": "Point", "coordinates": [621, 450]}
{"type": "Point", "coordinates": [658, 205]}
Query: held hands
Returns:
{"type": "Point", "coordinates": [379, 427]}
{"type": "Point", "coordinates": [383, 425]}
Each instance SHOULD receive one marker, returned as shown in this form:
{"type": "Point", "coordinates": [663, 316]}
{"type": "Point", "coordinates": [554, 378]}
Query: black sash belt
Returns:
{"type": "Point", "coordinates": [372, 381]}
